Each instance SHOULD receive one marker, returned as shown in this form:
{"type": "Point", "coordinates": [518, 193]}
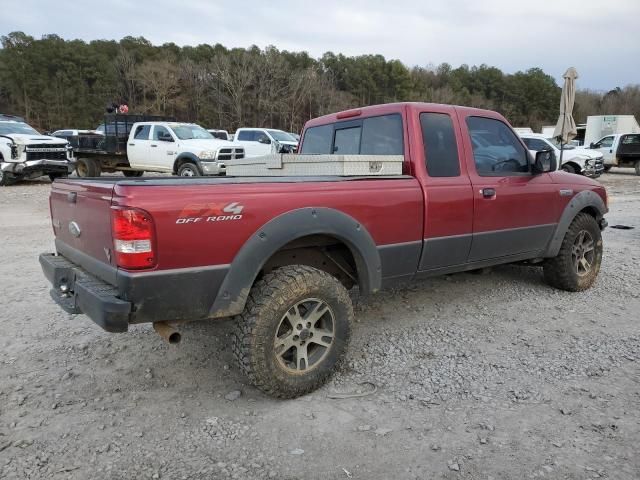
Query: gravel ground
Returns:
{"type": "Point", "coordinates": [492, 376]}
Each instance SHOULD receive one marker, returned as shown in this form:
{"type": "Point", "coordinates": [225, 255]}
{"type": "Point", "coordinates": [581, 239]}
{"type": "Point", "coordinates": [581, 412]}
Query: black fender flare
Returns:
{"type": "Point", "coordinates": [285, 228]}
{"type": "Point", "coordinates": [186, 156]}
{"type": "Point", "coordinates": [584, 199]}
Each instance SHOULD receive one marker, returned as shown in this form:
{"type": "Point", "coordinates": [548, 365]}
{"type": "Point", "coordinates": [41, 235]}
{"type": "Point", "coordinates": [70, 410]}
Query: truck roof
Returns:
{"type": "Point", "coordinates": [398, 107]}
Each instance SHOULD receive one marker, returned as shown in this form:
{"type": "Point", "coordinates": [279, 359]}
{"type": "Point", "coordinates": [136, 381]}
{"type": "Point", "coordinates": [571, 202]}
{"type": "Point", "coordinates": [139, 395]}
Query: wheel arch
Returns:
{"type": "Point", "coordinates": [586, 201]}
{"type": "Point", "coordinates": [284, 231]}
{"type": "Point", "coordinates": [185, 157]}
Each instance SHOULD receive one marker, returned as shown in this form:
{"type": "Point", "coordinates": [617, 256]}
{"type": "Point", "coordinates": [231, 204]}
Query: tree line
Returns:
{"type": "Point", "coordinates": [56, 83]}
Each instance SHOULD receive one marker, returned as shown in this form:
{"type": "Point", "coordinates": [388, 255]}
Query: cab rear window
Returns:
{"type": "Point", "coordinates": [382, 135]}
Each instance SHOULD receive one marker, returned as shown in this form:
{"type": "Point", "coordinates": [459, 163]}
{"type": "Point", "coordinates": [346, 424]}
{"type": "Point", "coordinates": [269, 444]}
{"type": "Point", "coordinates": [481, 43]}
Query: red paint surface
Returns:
{"type": "Point", "coordinates": [393, 211]}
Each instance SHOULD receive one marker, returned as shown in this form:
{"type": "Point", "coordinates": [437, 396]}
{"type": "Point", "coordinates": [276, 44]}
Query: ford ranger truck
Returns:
{"type": "Point", "coordinates": [26, 154]}
{"type": "Point", "coordinates": [281, 253]}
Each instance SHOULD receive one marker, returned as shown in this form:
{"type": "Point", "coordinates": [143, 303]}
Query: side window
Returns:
{"type": "Point", "coordinates": [535, 144]}
{"type": "Point", "coordinates": [440, 148]}
{"type": "Point", "coordinates": [606, 142]}
{"type": "Point", "coordinates": [159, 131]}
{"type": "Point", "coordinates": [500, 153]}
{"type": "Point", "coordinates": [317, 140]}
{"type": "Point", "coordinates": [382, 136]}
{"type": "Point", "coordinates": [142, 132]}
{"type": "Point", "coordinates": [347, 141]}
{"type": "Point", "coordinates": [246, 135]}
{"type": "Point", "coordinates": [261, 137]}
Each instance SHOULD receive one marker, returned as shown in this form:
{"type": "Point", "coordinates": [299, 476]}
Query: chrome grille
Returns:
{"type": "Point", "coordinates": [40, 152]}
{"type": "Point", "coordinates": [230, 154]}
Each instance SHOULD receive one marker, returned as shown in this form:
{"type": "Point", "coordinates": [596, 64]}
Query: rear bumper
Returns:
{"type": "Point", "coordinates": [76, 291]}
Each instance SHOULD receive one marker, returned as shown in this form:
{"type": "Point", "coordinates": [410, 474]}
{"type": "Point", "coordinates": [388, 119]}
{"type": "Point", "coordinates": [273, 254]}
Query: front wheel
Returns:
{"type": "Point", "coordinates": [54, 176]}
{"type": "Point", "coordinates": [637, 167]}
{"type": "Point", "coordinates": [294, 330]}
{"type": "Point", "coordinates": [6, 179]}
{"type": "Point", "coordinates": [189, 169]}
{"type": "Point", "coordinates": [577, 264]}
{"type": "Point", "coordinates": [568, 168]}
{"type": "Point", "coordinates": [133, 173]}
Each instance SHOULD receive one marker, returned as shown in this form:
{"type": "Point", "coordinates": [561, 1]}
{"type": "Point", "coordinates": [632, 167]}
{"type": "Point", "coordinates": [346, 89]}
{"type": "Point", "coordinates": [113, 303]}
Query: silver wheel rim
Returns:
{"type": "Point", "coordinates": [1, 175]}
{"type": "Point", "coordinates": [583, 253]}
{"type": "Point", "coordinates": [304, 335]}
{"type": "Point", "coordinates": [81, 169]}
{"type": "Point", "coordinates": [188, 172]}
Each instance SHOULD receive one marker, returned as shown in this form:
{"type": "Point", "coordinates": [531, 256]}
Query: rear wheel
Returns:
{"type": "Point", "coordinates": [87, 167]}
{"type": "Point", "coordinates": [577, 264]}
{"type": "Point", "coordinates": [189, 169]}
{"type": "Point", "coordinates": [294, 330]}
{"type": "Point", "coordinates": [133, 173]}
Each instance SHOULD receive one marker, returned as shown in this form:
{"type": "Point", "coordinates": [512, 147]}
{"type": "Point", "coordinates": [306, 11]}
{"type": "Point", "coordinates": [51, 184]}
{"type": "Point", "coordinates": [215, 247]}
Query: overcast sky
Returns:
{"type": "Point", "coordinates": [600, 38]}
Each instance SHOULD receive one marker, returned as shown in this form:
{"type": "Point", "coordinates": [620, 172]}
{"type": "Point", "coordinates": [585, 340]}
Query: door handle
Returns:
{"type": "Point", "coordinates": [610, 151]}
{"type": "Point", "coordinates": [153, 146]}
{"type": "Point", "coordinates": [488, 192]}
{"type": "Point", "coordinates": [132, 144]}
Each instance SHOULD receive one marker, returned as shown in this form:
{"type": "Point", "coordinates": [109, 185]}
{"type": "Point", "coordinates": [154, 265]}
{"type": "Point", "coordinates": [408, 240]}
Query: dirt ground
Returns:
{"type": "Point", "coordinates": [493, 376]}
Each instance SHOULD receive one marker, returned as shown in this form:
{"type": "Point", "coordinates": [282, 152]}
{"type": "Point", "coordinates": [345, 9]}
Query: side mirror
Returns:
{"type": "Point", "coordinates": [264, 139]}
{"type": "Point", "coordinates": [545, 162]}
{"type": "Point", "coordinates": [592, 145]}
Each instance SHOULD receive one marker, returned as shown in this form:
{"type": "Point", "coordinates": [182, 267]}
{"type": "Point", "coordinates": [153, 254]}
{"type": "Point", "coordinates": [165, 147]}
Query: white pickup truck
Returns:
{"type": "Point", "coordinates": [265, 141]}
{"type": "Point", "coordinates": [574, 159]}
{"type": "Point", "coordinates": [184, 149]}
{"type": "Point", "coordinates": [25, 153]}
{"type": "Point", "coordinates": [620, 150]}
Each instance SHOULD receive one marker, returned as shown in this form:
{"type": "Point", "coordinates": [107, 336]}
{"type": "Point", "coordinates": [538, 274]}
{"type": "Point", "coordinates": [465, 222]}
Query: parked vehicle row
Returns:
{"type": "Point", "coordinates": [582, 161]}
{"type": "Point", "coordinates": [293, 246]}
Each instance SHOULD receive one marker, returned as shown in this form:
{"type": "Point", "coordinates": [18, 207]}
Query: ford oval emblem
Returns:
{"type": "Point", "coordinates": [74, 229]}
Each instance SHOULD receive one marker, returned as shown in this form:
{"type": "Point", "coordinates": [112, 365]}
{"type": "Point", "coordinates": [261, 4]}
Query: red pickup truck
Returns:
{"type": "Point", "coordinates": [280, 253]}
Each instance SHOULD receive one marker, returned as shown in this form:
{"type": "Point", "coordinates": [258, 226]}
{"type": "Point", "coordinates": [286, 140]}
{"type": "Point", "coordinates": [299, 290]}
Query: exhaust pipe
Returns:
{"type": "Point", "coordinates": [166, 331]}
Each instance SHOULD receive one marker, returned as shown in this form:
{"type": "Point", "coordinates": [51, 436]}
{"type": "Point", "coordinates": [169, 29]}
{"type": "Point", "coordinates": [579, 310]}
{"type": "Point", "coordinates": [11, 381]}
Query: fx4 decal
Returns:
{"type": "Point", "coordinates": [210, 212]}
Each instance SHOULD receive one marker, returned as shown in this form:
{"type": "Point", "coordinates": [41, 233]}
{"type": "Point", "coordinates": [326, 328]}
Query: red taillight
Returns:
{"type": "Point", "coordinates": [133, 238]}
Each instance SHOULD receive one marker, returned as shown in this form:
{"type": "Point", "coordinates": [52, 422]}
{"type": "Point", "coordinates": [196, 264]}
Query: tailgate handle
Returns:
{"type": "Point", "coordinates": [72, 197]}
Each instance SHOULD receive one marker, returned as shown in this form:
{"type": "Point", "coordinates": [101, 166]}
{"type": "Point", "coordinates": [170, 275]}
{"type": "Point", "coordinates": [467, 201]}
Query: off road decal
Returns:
{"type": "Point", "coordinates": [210, 212]}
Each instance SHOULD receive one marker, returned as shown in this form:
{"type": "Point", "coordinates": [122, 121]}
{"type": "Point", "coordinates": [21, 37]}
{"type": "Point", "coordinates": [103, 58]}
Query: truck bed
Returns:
{"type": "Point", "coordinates": [228, 180]}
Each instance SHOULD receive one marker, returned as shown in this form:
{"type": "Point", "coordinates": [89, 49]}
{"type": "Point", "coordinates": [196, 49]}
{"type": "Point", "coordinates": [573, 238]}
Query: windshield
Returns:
{"type": "Point", "coordinates": [280, 136]}
{"type": "Point", "coordinates": [16, 127]}
{"type": "Point", "coordinates": [557, 144]}
{"type": "Point", "coordinates": [191, 132]}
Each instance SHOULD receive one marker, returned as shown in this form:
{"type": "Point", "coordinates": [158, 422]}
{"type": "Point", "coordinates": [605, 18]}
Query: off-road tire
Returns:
{"type": "Point", "coordinates": [189, 167]}
{"type": "Point", "coordinates": [568, 168]}
{"type": "Point", "coordinates": [133, 173]}
{"type": "Point", "coordinates": [88, 167]}
{"type": "Point", "coordinates": [270, 299]}
{"type": "Point", "coordinates": [560, 272]}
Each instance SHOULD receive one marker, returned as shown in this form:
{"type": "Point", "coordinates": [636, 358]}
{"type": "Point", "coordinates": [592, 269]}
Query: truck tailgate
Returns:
{"type": "Point", "coordinates": [81, 218]}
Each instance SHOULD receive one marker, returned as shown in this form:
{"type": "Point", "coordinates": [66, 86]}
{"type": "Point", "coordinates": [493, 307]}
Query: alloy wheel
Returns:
{"type": "Point", "coordinates": [304, 335]}
{"type": "Point", "coordinates": [583, 253]}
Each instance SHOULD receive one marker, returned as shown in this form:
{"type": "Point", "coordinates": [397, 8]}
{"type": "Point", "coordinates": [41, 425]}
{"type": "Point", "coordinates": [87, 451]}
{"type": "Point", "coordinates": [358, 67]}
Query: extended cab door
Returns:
{"type": "Point", "coordinates": [138, 146]}
{"type": "Point", "coordinates": [248, 139]}
{"type": "Point", "coordinates": [515, 212]}
{"type": "Point", "coordinates": [606, 147]}
{"type": "Point", "coordinates": [448, 196]}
